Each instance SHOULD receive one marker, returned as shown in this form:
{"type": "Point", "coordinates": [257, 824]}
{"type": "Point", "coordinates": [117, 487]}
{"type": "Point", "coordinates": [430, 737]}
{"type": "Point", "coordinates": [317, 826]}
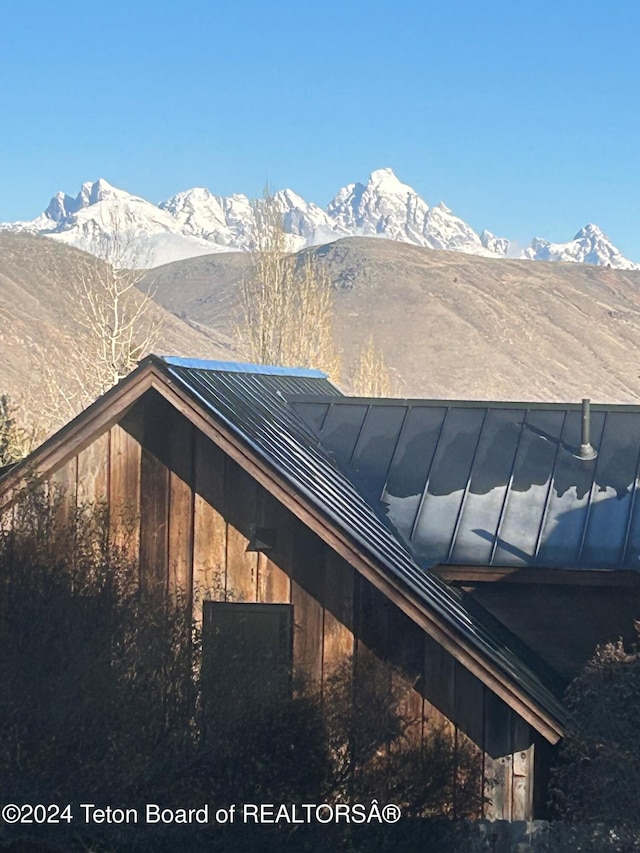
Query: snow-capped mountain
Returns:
{"type": "Point", "coordinates": [229, 222]}
{"type": "Point", "coordinates": [116, 226]}
{"type": "Point", "coordinates": [589, 246]}
{"type": "Point", "coordinates": [385, 207]}
{"type": "Point", "coordinates": [307, 223]}
{"type": "Point", "coordinates": [63, 207]}
{"type": "Point", "coordinates": [128, 230]}
{"type": "Point", "coordinates": [223, 221]}
{"type": "Point", "coordinates": [497, 245]}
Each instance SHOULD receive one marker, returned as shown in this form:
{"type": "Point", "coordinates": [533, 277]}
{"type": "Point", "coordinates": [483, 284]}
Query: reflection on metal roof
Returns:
{"type": "Point", "coordinates": [243, 367]}
{"type": "Point", "coordinates": [256, 407]}
{"type": "Point", "coordinates": [492, 484]}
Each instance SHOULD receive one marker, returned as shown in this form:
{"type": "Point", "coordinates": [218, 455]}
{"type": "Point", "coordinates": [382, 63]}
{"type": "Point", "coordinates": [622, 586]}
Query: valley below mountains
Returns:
{"type": "Point", "coordinates": [450, 325]}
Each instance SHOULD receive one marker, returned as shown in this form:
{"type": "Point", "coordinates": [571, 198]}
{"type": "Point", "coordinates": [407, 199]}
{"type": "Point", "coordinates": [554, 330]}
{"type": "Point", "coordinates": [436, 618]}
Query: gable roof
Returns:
{"type": "Point", "coordinates": [492, 484]}
{"type": "Point", "coordinates": [247, 411]}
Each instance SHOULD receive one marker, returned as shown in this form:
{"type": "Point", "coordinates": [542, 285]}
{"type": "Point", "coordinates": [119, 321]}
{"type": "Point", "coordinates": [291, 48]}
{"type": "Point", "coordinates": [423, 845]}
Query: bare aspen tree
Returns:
{"type": "Point", "coordinates": [265, 292]}
{"type": "Point", "coordinates": [115, 326]}
{"type": "Point", "coordinates": [286, 307]}
{"type": "Point", "coordinates": [314, 344]}
{"type": "Point", "coordinates": [112, 314]}
{"type": "Point", "coordinates": [372, 377]}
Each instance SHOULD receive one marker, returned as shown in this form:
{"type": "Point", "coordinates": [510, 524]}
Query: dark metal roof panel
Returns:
{"type": "Point", "coordinates": [487, 489]}
{"type": "Point", "coordinates": [375, 447]}
{"type": "Point", "coordinates": [496, 483]}
{"type": "Point", "coordinates": [341, 426]}
{"type": "Point", "coordinates": [436, 524]}
{"type": "Point", "coordinates": [254, 406]}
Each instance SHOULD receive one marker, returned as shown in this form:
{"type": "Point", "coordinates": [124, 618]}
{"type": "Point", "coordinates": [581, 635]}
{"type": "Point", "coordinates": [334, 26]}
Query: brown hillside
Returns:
{"type": "Point", "coordinates": [451, 325]}
{"type": "Point", "coordinates": [454, 325]}
{"type": "Point", "coordinates": [35, 321]}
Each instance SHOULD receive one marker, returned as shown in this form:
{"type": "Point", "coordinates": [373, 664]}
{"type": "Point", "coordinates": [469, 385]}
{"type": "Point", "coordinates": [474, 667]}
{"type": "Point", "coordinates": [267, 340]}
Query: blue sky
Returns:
{"type": "Point", "coordinates": [523, 118]}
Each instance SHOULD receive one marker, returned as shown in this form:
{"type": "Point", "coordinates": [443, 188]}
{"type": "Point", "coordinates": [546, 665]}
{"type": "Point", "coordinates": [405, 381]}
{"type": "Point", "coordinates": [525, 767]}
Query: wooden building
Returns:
{"type": "Point", "coordinates": [434, 535]}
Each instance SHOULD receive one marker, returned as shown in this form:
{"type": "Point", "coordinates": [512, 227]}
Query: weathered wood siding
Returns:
{"type": "Point", "coordinates": [125, 454]}
{"type": "Point", "coordinates": [188, 512]}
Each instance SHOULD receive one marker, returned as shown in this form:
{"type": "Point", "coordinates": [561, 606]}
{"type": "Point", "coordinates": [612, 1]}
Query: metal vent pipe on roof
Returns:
{"type": "Point", "coordinates": [587, 450]}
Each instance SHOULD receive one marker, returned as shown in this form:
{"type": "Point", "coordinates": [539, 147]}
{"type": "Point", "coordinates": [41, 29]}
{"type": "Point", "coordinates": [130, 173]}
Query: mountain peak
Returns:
{"type": "Point", "coordinates": [102, 185]}
{"type": "Point", "coordinates": [385, 207]}
{"type": "Point", "coordinates": [497, 245]}
{"type": "Point", "coordinates": [386, 181]}
{"type": "Point", "coordinates": [96, 191]}
{"type": "Point", "coordinates": [195, 192]}
{"type": "Point", "coordinates": [287, 198]}
{"type": "Point", "coordinates": [589, 246]}
{"type": "Point", "coordinates": [383, 174]}
{"type": "Point", "coordinates": [590, 231]}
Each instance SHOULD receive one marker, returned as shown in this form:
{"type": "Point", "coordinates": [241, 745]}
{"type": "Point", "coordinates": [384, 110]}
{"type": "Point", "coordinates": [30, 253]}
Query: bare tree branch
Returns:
{"type": "Point", "coordinates": [372, 377]}
{"type": "Point", "coordinates": [287, 308]}
{"type": "Point", "coordinates": [114, 328]}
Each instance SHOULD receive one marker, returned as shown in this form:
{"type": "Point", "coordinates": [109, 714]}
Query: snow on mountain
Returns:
{"type": "Point", "coordinates": [443, 230]}
{"type": "Point", "coordinates": [386, 207]}
{"type": "Point", "coordinates": [63, 207]}
{"type": "Point", "coordinates": [308, 224]}
{"type": "Point", "coordinates": [118, 226]}
{"type": "Point", "coordinates": [497, 245]}
{"type": "Point", "coordinates": [589, 246]}
{"type": "Point", "coordinates": [223, 221]}
{"type": "Point", "coordinates": [230, 222]}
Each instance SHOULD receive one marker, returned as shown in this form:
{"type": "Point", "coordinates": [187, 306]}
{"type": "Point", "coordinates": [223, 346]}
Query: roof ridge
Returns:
{"type": "Point", "coordinates": [519, 405]}
{"type": "Point", "coordinates": [240, 367]}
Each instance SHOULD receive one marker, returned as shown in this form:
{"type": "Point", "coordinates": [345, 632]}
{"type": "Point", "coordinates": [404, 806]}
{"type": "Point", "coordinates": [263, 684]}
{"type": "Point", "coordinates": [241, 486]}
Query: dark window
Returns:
{"type": "Point", "coordinates": [246, 655]}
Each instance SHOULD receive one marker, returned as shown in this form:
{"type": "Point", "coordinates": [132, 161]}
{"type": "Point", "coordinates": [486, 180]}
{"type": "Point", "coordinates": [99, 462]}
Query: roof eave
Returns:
{"type": "Point", "coordinates": [74, 436]}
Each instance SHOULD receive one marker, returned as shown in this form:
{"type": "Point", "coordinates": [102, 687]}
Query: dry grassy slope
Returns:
{"type": "Point", "coordinates": [35, 290]}
{"type": "Point", "coordinates": [202, 289]}
{"type": "Point", "coordinates": [454, 325]}
{"type": "Point", "coordinates": [451, 325]}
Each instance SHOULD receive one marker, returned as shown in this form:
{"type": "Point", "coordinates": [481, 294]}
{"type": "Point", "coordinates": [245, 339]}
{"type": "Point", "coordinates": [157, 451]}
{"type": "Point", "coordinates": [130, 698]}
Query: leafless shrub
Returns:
{"type": "Point", "coordinates": [377, 752]}
{"type": "Point", "coordinates": [98, 695]}
{"type": "Point", "coordinates": [598, 774]}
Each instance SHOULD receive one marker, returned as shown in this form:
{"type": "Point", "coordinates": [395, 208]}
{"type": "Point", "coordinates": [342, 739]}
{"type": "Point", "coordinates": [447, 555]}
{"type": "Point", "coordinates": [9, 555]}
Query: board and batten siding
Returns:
{"type": "Point", "coordinates": [186, 511]}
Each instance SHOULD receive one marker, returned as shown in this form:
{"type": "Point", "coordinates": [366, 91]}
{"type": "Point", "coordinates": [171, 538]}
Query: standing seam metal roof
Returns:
{"type": "Point", "coordinates": [492, 484]}
{"type": "Point", "coordinates": [255, 406]}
